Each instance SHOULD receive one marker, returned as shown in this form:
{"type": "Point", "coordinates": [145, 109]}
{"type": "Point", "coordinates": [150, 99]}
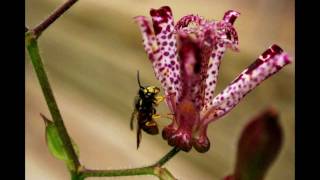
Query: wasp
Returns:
{"type": "Point", "coordinates": [144, 110]}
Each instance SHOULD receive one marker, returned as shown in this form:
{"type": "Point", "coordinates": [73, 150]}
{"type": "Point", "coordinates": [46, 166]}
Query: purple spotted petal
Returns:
{"type": "Point", "coordinates": [270, 62]}
{"type": "Point", "coordinates": [186, 20]}
{"type": "Point", "coordinates": [230, 16]}
{"type": "Point", "coordinates": [212, 74]}
{"type": "Point", "coordinates": [149, 43]}
{"type": "Point", "coordinates": [226, 34]}
{"type": "Point", "coordinates": [226, 37]}
{"type": "Point", "coordinates": [232, 36]}
{"type": "Point", "coordinates": [167, 64]}
{"type": "Point", "coordinates": [149, 39]}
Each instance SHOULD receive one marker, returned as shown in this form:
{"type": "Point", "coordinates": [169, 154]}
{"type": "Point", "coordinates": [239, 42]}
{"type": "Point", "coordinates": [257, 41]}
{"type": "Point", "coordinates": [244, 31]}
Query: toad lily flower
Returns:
{"type": "Point", "coordinates": [186, 59]}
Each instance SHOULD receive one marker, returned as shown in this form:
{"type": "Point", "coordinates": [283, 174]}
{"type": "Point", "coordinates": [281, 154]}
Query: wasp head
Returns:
{"type": "Point", "coordinates": [147, 91]}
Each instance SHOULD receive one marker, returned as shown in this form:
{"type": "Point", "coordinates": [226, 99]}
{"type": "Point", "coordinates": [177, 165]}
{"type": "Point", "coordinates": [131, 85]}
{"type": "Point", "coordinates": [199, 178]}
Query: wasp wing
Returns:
{"type": "Point", "coordinates": [135, 111]}
{"type": "Point", "coordinates": [139, 135]}
{"type": "Point", "coordinates": [133, 116]}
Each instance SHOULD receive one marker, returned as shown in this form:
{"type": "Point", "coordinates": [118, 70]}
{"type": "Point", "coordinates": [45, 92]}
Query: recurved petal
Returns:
{"type": "Point", "coordinates": [270, 62]}
{"type": "Point", "coordinates": [186, 20]}
{"type": "Point", "coordinates": [226, 34]}
{"type": "Point", "coordinates": [167, 64]}
{"type": "Point", "coordinates": [230, 16]}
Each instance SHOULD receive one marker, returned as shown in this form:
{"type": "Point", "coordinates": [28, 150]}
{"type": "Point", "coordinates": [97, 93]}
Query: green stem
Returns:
{"type": "Point", "coordinates": [120, 172]}
{"type": "Point", "coordinates": [33, 50]}
{"type": "Point", "coordinates": [76, 176]}
{"type": "Point", "coordinates": [167, 157]}
{"type": "Point", "coordinates": [154, 169]}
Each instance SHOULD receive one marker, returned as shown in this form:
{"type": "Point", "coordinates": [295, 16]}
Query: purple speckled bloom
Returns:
{"type": "Point", "coordinates": [186, 59]}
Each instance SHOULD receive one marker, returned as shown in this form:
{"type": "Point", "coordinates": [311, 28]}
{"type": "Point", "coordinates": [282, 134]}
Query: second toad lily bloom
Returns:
{"type": "Point", "coordinates": [186, 57]}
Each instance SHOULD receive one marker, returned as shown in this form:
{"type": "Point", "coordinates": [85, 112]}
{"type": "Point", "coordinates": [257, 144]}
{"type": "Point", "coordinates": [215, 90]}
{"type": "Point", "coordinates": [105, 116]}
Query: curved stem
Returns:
{"type": "Point", "coordinates": [33, 50]}
{"type": "Point", "coordinates": [149, 170]}
{"type": "Point", "coordinates": [52, 18]}
{"type": "Point", "coordinates": [154, 169]}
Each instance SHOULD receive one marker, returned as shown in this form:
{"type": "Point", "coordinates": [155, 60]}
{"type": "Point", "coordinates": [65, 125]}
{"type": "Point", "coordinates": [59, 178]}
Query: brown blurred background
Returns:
{"type": "Point", "coordinates": [92, 54]}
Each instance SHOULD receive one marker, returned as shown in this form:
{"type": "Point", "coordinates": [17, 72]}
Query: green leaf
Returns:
{"type": "Point", "coordinates": [54, 142]}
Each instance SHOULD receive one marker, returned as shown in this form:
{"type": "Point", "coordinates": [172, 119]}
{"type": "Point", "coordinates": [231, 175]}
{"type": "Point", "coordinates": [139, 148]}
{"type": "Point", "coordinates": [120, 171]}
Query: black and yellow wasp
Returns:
{"type": "Point", "coordinates": [144, 110]}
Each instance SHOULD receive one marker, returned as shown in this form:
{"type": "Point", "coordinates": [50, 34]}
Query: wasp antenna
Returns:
{"type": "Point", "coordinates": [138, 78]}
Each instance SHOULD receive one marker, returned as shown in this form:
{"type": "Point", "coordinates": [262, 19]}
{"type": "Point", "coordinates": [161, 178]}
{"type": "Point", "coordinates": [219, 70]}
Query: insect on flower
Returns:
{"type": "Point", "coordinates": [186, 57]}
{"type": "Point", "coordinates": [145, 111]}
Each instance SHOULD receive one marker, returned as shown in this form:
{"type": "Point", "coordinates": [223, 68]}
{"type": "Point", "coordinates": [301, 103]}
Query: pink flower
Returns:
{"type": "Point", "coordinates": [186, 59]}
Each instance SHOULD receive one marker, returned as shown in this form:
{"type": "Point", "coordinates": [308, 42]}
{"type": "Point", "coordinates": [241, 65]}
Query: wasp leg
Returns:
{"type": "Point", "coordinates": [156, 116]}
{"type": "Point", "coordinates": [159, 99]}
{"type": "Point", "coordinates": [151, 123]}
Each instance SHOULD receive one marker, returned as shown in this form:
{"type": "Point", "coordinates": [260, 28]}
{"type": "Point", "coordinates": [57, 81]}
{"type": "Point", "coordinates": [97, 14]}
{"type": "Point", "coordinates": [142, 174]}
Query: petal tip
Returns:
{"type": "Point", "coordinates": [276, 48]}
{"type": "Point", "coordinates": [138, 18]}
{"type": "Point", "coordinates": [164, 10]}
{"type": "Point", "coordinates": [230, 16]}
{"type": "Point", "coordinates": [287, 59]}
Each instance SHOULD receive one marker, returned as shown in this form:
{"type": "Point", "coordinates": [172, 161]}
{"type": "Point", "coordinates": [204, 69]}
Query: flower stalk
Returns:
{"type": "Point", "coordinates": [52, 18]}
{"type": "Point", "coordinates": [32, 46]}
{"type": "Point", "coordinates": [155, 169]}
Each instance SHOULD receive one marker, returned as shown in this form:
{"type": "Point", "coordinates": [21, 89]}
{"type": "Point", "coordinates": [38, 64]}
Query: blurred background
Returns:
{"type": "Point", "coordinates": [92, 54]}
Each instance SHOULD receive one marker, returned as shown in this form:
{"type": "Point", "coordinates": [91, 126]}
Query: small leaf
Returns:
{"type": "Point", "coordinates": [258, 146]}
{"type": "Point", "coordinates": [54, 142]}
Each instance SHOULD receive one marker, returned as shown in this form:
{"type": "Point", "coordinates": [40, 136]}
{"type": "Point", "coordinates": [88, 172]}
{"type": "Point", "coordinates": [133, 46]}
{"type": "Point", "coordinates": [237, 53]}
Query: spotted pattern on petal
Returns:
{"type": "Point", "coordinates": [148, 37]}
{"type": "Point", "coordinates": [186, 20]}
{"type": "Point", "coordinates": [167, 64]}
{"type": "Point", "coordinates": [270, 62]}
{"type": "Point", "coordinates": [212, 74]}
{"type": "Point", "coordinates": [226, 34]}
{"type": "Point", "coordinates": [230, 16]}
{"type": "Point", "coordinates": [149, 43]}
